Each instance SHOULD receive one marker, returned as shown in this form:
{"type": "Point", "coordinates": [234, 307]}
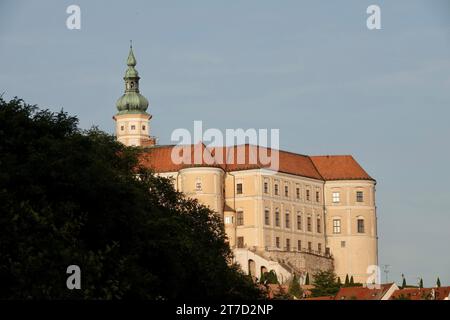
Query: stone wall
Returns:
{"type": "Point", "coordinates": [300, 262]}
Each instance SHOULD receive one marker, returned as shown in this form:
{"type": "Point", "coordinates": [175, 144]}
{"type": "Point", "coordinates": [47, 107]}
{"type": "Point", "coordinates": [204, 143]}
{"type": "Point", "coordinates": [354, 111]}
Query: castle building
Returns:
{"type": "Point", "coordinates": [313, 213]}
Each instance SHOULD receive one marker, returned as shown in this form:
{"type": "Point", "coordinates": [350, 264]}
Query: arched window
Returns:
{"type": "Point", "coordinates": [360, 225]}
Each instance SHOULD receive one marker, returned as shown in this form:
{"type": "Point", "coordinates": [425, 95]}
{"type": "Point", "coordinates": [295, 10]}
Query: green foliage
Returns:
{"type": "Point", "coordinates": [339, 282]}
{"type": "Point", "coordinates": [438, 283]}
{"type": "Point", "coordinates": [325, 284]}
{"type": "Point", "coordinates": [269, 277]}
{"type": "Point", "coordinates": [72, 197]}
{"type": "Point", "coordinates": [351, 281]}
{"type": "Point", "coordinates": [421, 283]}
{"type": "Point", "coordinates": [282, 294]}
{"type": "Point", "coordinates": [294, 287]}
{"type": "Point", "coordinates": [307, 278]}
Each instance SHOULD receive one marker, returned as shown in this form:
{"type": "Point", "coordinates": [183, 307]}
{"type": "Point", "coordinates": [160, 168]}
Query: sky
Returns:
{"type": "Point", "coordinates": [309, 68]}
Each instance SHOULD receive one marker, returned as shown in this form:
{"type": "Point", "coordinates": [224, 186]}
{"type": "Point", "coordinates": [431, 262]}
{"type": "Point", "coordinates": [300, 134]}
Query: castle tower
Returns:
{"type": "Point", "coordinates": [132, 119]}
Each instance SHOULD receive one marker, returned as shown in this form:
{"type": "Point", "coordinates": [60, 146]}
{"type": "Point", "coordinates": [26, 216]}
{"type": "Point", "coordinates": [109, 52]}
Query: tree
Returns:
{"type": "Point", "coordinates": [307, 278]}
{"type": "Point", "coordinates": [347, 281]}
{"type": "Point", "coordinates": [269, 277]}
{"type": "Point", "coordinates": [421, 283]}
{"type": "Point", "coordinates": [325, 284]}
{"type": "Point", "coordinates": [294, 288]}
{"type": "Point", "coordinates": [339, 282]}
{"type": "Point", "coordinates": [72, 197]}
{"type": "Point", "coordinates": [351, 281]}
{"type": "Point", "coordinates": [438, 283]}
{"type": "Point", "coordinates": [403, 282]}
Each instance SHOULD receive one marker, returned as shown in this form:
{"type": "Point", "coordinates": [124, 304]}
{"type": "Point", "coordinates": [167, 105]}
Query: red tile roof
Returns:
{"type": "Point", "coordinates": [421, 294]}
{"type": "Point", "coordinates": [340, 168]}
{"type": "Point", "coordinates": [159, 158]}
{"type": "Point", "coordinates": [362, 293]}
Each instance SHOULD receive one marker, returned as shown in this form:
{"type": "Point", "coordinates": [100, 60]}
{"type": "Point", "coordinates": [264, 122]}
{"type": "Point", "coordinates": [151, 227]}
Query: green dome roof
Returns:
{"type": "Point", "coordinates": [131, 101]}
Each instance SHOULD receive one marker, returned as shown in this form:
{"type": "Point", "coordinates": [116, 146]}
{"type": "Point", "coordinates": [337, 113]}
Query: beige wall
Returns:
{"type": "Point", "coordinates": [254, 201]}
{"type": "Point", "coordinates": [219, 192]}
{"type": "Point", "coordinates": [353, 251]}
{"type": "Point", "coordinates": [125, 132]}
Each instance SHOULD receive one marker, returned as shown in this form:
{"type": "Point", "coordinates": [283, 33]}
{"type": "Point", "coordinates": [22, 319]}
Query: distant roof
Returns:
{"type": "Point", "coordinates": [321, 298]}
{"type": "Point", "coordinates": [421, 294]}
{"type": "Point", "coordinates": [159, 158]}
{"type": "Point", "coordinates": [362, 293]}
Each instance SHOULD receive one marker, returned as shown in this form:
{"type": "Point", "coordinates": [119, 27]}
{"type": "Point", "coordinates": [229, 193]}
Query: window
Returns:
{"type": "Point", "coordinates": [286, 191]}
{"type": "Point", "coordinates": [297, 192]}
{"type": "Point", "coordinates": [143, 127]}
{"type": "Point", "coordinates": [240, 242]}
{"type": "Point", "coordinates": [266, 187]}
{"type": "Point", "coordinates": [299, 245]}
{"type": "Point", "coordinates": [276, 189]}
{"type": "Point", "coordinates": [266, 217]}
{"type": "Point", "coordinates": [299, 222]}
{"type": "Point", "coordinates": [277, 242]}
{"type": "Point", "coordinates": [240, 218]}
{"type": "Point", "coordinates": [228, 220]}
{"type": "Point", "coordinates": [277, 218]}
{"type": "Point", "coordinates": [198, 184]}
{"type": "Point", "coordinates": [336, 225]}
{"type": "Point", "coordinates": [307, 195]}
{"type": "Point", "coordinates": [122, 128]}
{"type": "Point", "coordinates": [336, 197]}
{"type": "Point", "coordinates": [359, 196]}
{"type": "Point", "coordinates": [360, 225]}
{"type": "Point", "coordinates": [319, 247]}
{"type": "Point", "coordinates": [288, 244]}
{"type": "Point", "coordinates": [309, 224]}
{"type": "Point", "coordinates": [342, 244]}
{"type": "Point", "coordinates": [317, 196]}
{"type": "Point", "coordinates": [239, 188]}
{"type": "Point", "coordinates": [309, 246]}
{"type": "Point", "coordinates": [319, 225]}
{"type": "Point", "coordinates": [288, 222]}
{"type": "Point", "coordinates": [133, 127]}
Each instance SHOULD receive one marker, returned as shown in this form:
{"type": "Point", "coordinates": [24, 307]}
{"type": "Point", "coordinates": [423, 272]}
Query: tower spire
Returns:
{"type": "Point", "coordinates": [132, 119]}
{"type": "Point", "coordinates": [132, 101]}
{"type": "Point", "coordinates": [131, 61]}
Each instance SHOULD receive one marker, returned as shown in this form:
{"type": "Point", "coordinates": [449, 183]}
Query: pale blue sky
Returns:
{"type": "Point", "coordinates": [310, 68]}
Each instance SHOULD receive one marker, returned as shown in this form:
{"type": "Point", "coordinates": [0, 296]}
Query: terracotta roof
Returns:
{"type": "Point", "coordinates": [159, 158]}
{"type": "Point", "coordinates": [362, 293]}
{"type": "Point", "coordinates": [421, 294]}
{"type": "Point", "coordinates": [321, 298]}
{"type": "Point", "coordinates": [339, 168]}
